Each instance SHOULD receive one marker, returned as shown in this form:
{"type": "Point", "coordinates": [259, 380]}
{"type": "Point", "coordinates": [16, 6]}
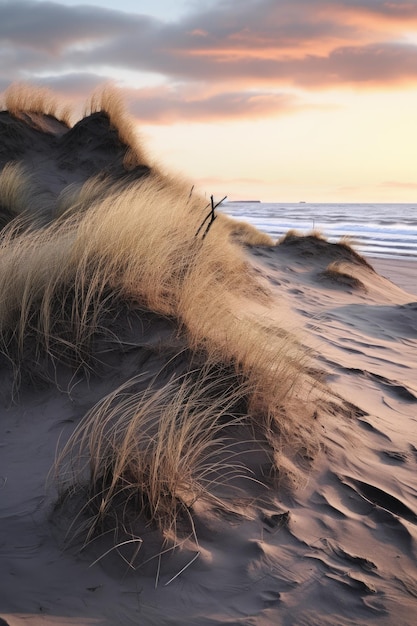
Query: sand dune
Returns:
{"type": "Point", "coordinates": [197, 426]}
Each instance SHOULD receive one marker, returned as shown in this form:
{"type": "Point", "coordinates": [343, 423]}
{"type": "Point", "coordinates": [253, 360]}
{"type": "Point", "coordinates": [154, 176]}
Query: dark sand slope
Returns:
{"type": "Point", "coordinates": [215, 478]}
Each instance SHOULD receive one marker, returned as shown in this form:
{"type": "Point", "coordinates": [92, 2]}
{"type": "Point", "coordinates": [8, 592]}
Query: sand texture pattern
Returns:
{"type": "Point", "coordinates": [198, 425]}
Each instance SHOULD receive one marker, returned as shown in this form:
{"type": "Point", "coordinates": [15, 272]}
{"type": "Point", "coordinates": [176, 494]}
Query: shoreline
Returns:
{"type": "Point", "coordinates": [402, 272]}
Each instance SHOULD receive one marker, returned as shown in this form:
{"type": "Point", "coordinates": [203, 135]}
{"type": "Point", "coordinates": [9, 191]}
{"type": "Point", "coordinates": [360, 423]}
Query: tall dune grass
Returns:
{"type": "Point", "coordinates": [155, 452]}
{"type": "Point", "coordinates": [106, 99]}
{"type": "Point", "coordinates": [136, 242]}
{"type": "Point", "coordinates": [343, 249]}
{"type": "Point", "coordinates": [21, 99]}
{"type": "Point", "coordinates": [22, 196]}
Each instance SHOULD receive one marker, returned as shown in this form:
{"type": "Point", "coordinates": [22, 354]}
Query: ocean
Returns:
{"type": "Point", "coordinates": [376, 230]}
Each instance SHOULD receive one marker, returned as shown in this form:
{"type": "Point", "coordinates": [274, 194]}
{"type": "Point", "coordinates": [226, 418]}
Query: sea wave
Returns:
{"type": "Point", "coordinates": [377, 230]}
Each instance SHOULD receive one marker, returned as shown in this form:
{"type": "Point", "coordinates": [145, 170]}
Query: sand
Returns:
{"type": "Point", "coordinates": [338, 549]}
{"type": "Point", "coordinates": [401, 272]}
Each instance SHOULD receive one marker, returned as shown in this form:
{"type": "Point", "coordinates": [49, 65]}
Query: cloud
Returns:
{"type": "Point", "coordinates": [374, 64]}
{"type": "Point", "coordinates": [395, 184]}
{"type": "Point", "coordinates": [165, 106]}
{"type": "Point", "coordinates": [247, 50]}
{"type": "Point", "coordinates": [397, 10]}
{"type": "Point", "coordinates": [53, 27]}
{"type": "Point", "coordinates": [75, 85]}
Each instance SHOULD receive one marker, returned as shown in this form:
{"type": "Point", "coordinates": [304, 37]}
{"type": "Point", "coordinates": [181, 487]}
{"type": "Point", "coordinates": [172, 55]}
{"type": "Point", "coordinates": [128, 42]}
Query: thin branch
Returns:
{"type": "Point", "coordinates": [211, 216]}
{"type": "Point", "coordinates": [203, 222]}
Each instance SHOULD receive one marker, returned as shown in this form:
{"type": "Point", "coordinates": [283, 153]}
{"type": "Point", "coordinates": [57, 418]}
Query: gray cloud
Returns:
{"type": "Point", "coordinates": [398, 9]}
{"type": "Point", "coordinates": [164, 106]}
{"type": "Point", "coordinates": [52, 27]}
{"type": "Point", "coordinates": [255, 44]}
{"type": "Point", "coordinates": [377, 63]}
{"type": "Point", "coordinates": [73, 84]}
{"type": "Point", "coordinates": [371, 64]}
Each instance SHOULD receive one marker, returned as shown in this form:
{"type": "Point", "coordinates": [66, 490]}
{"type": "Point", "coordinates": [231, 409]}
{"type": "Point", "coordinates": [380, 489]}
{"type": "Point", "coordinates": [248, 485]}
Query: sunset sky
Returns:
{"type": "Point", "coordinates": [278, 100]}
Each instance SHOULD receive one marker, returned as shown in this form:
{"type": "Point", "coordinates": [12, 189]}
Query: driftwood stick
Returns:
{"type": "Point", "coordinates": [211, 216]}
{"type": "Point", "coordinates": [203, 222]}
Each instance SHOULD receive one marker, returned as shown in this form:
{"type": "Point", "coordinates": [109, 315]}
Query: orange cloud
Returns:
{"type": "Point", "coordinates": [394, 184]}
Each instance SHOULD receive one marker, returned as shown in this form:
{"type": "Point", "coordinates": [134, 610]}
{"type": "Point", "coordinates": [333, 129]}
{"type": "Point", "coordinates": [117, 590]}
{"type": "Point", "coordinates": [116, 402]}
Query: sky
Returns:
{"type": "Point", "coordinates": [276, 100]}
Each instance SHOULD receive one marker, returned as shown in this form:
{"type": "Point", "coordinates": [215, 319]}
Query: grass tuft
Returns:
{"type": "Point", "coordinates": [154, 453]}
{"type": "Point", "coordinates": [21, 100]}
{"type": "Point", "coordinates": [109, 100]}
{"type": "Point", "coordinates": [132, 241]}
{"type": "Point", "coordinates": [336, 273]}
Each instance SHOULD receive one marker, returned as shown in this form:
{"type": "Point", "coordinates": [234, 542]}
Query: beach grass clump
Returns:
{"type": "Point", "coordinates": [22, 197]}
{"type": "Point", "coordinates": [137, 242]}
{"type": "Point", "coordinates": [346, 243]}
{"type": "Point", "coordinates": [22, 100]}
{"type": "Point", "coordinates": [153, 453]}
{"type": "Point", "coordinates": [15, 192]}
{"type": "Point", "coordinates": [338, 273]}
{"type": "Point", "coordinates": [247, 234]}
{"type": "Point", "coordinates": [110, 102]}
{"type": "Point", "coordinates": [292, 235]}
{"type": "Point", "coordinates": [315, 244]}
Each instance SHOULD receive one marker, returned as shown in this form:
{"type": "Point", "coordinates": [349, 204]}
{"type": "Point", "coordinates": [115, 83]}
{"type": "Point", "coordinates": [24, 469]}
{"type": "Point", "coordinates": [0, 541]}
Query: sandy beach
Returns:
{"type": "Point", "coordinates": [223, 434]}
{"type": "Point", "coordinates": [401, 272]}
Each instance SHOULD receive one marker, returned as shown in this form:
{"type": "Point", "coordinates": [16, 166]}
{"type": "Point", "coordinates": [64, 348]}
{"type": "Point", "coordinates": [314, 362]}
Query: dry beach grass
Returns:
{"type": "Point", "coordinates": [135, 241]}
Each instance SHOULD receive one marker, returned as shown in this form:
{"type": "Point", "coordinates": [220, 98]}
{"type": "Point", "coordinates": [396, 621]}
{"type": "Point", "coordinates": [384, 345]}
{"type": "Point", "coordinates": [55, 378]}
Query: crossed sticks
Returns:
{"type": "Point", "coordinates": [211, 216]}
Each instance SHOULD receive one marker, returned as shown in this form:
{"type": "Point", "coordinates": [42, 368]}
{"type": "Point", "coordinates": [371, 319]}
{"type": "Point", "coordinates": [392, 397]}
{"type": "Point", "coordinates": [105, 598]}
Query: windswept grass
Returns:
{"type": "Point", "coordinates": [294, 235]}
{"type": "Point", "coordinates": [15, 191]}
{"type": "Point", "coordinates": [315, 243]}
{"type": "Point", "coordinates": [21, 99]}
{"type": "Point", "coordinates": [21, 197]}
{"type": "Point", "coordinates": [155, 452]}
{"type": "Point", "coordinates": [245, 233]}
{"type": "Point", "coordinates": [137, 244]}
{"type": "Point", "coordinates": [108, 100]}
{"type": "Point", "coordinates": [340, 274]}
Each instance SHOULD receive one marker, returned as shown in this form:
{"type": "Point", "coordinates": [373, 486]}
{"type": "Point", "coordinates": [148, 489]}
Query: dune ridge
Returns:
{"type": "Point", "coordinates": [125, 237]}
